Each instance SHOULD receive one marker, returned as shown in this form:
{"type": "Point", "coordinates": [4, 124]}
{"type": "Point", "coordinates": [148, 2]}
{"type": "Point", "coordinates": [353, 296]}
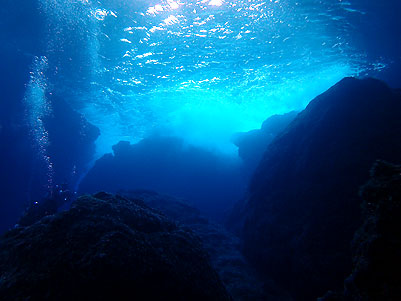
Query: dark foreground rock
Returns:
{"type": "Point", "coordinates": [222, 246]}
{"type": "Point", "coordinates": [376, 273]}
{"type": "Point", "coordinates": [303, 207]}
{"type": "Point", "coordinates": [106, 248]}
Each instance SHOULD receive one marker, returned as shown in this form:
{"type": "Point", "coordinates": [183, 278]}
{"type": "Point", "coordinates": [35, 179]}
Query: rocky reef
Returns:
{"type": "Point", "coordinates": [106, 248]}
{"type": "Point", "coordinates": [168, 165]}
{"type": "Point", "coordinates": [300, 224]}
{"type": "Point", "coordinates": [223, 247]}
{"type": "Point", "coordinates": [302, 207]}
{"type": "Point", "coordinates": [376, 273]}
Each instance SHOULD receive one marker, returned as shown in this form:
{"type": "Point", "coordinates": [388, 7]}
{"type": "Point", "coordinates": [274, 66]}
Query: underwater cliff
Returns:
{"type": "Point", "coordinates": [376, 263]}
{"type": "Point", "coordinates": [303, 207]}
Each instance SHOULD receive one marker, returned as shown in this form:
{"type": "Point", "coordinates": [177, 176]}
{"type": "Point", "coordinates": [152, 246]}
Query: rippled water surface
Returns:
{"type": "Point", "coordinates": [201, 69]}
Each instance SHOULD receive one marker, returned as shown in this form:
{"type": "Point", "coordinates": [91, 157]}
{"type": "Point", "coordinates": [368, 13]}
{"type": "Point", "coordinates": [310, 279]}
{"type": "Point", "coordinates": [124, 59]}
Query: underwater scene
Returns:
{"type": "Point", "coordinates": [200, 150]}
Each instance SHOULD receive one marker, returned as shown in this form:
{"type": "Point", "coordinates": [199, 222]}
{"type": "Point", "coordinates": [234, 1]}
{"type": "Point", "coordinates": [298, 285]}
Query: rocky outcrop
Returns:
{"type": "Point", "coordinates": [223, 247]}
{"type": "Point", "coordinates": [211, 182]}
{"type": "Point", "coordinates": [252, 145]}
{"type": "Point", "coordinates": [376, 273]}
{"type": "Point", "coordinates": [302, 206]}
{"type": "Point", "coordinates": [106, 248]}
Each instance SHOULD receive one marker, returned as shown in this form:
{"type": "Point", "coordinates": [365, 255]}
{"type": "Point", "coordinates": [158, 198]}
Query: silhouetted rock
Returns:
{"type": "Point", "coordinates": [106, 248]}
{"type": "Point", "coordinates": [212, 182]}
{"type": "Point", "coordinates": [303, 207]}
{"type": "Point", "coordinates": [376, 273]}
{"type": "Point", "coordinates": [253, 144]}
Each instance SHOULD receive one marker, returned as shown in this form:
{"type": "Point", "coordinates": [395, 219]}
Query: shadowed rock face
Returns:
{"type": "Point", "coordinates": [222, 246]}
{"type": "Point", "coordinates": [106, 248]}
{"type": "Point", "coordinates": [253, 144]}
{"type": "Point", "coordinates": [376, 273]}
{"type": "Point", "coordinates": [303, 207]}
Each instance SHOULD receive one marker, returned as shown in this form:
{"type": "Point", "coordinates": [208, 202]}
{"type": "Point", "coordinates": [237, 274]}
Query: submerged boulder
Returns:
{"type": "Point", "coordinates": [302, 208]}
{"type": "Point", "coordinates": [106, 248]}
{"type": "Point", "coordinates": [376, 273]}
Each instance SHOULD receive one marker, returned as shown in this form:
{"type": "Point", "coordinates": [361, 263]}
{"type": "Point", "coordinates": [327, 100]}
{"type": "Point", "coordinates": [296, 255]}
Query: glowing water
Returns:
{"type": "Point", "coordinates": [201, 69]}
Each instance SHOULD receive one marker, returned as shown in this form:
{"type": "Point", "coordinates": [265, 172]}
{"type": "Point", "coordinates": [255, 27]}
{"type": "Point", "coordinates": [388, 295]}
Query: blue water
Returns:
{"type": "Point", "coordinates": [201, 70]}
{"type": "Point", "coordinates": [169, 84]}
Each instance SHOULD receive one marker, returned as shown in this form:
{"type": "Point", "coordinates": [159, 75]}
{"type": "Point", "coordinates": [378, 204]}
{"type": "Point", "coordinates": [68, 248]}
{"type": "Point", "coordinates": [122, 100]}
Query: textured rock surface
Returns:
{"type": "Point", "coordinates": [376, 273]}
{"type": "Point", "coordinates": [106, 248]}
{"type": "Point", "coordinates": [223, 247]}
{"type": "Point", "coordinates": [303, 207]}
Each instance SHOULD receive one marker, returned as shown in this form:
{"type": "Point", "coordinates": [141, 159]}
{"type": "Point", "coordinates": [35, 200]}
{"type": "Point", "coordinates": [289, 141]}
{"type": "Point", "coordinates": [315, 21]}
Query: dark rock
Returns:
{"type": "Point", "coordinates": [303, 207]}
{"type": "Point", "coordinates": [253, 144]}
{"type": "Point", "coordinates": [106, 248]}
{"type": "Point", "coordinates": [251, 147]}
{"type": "Point", "coordinates": [223, 247]}
{"type": "Point", "coordinates": [376, 273]}
{"type": "Point", "coordinates": [58, 199]}
{"type": "Point", "coordinates": [211, 182]}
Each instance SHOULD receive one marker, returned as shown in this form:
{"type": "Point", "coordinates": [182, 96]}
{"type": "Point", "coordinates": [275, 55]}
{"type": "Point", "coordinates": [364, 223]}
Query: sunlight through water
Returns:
{"type": "Point", "coordinates": [201, 70]}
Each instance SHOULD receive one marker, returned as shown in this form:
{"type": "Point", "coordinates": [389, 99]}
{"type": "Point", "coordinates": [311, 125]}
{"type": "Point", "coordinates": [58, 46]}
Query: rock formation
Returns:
{"type": "Point", "coordinates": [302, 207]}
{"type": "Point", "coordinates": [167, 165]}
{"type": "Point", "coordinates": [223, 247]}
{"type": "Point", "coordinates": [253, 144]}
{"type": "Point", "coordinates": [106, 248]}
{"type": "Point", "coordinates": [376, 273]}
